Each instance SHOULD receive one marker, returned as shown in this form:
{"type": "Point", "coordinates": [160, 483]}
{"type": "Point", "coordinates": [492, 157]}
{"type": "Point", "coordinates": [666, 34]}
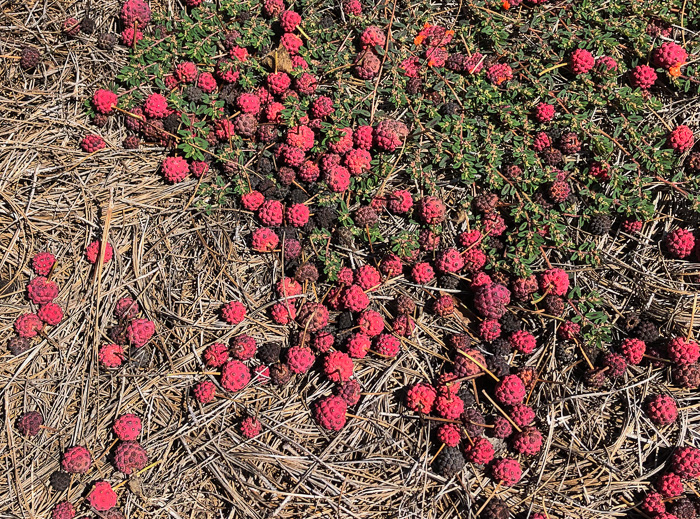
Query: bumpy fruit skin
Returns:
{"type": "Point", "coordinates": [130, 457]}
{"type": "Point", "coordinates": [449, 434]}
{"type": "Point", "coordinates": [63, 510]}
{"type": "Point", "coordinates": [28, 325]}
{"type": "Point", "coordinates": [643, 76]}
{"type": "Point", "coordinates": [662, 410]}
{"type": "Point", "coordinates": [679, 243]}
{"type": "Point", "coordinates": [681, 139]}
{"type": "Point", "coordinates": [467, 366]}
{"type": "Point", "coordinates": [233, 312]}
{"type": "Point", "coordinates": [510, 390]}
{"type": "Point", "coordinates": [264, 240]}
{"type": "Point", "coordinates": [300, 359]}
{"type": "Point", "coordinates": [653, 504]}
{"type": "Point", "coordinates": [372, 36]}
{"type": "Point", "coordinates": [527, 442]}
{"type": "Point", "coordinates": [329, 413]}
{"type": "Point", "coordinates": [420, 398]}
{"type": "Point", "coordinates": [480, 452]}
{"type": "Point", "coordinates": [140, 331]}
{"type": "Point", "coordinates": [250, 427]}
{"type": "Point", "coordinates": [448, 406]}
{"type": "Point", "coordinates": [111, 355]}
{"type": "Point", "coordinates": [387, 345]}
{"type": "Point", "coordinates": [499, 73]}
{"type": "Point", "coordinates": [102, 497]}
{"type": "Point", "coordinates": [501, 428]}
{"type": "Point", "coordinates": [605, 65]}
{"type": "Point", "coordinates": [186, 72]}
{"type": "Point", "coordinates": [156, 106]}
{"type": "Point", "coordinates": [29, 424]}
{"type": "Point", "coordinates": [686, 462]}
{"type": "Point", "coordinates": [42, 263]}
{"type": "Point", "coordinates": [615, 363]}
{"type": "Point", "coordinates": [506, 471]}
{"type": "Point", "coordinates": [76, 460]}
{"type": "Point", "coordinates": [104, 101]}
{"type": "Point", "coordinates": [338, 366]}
{"type": "Point", "coordinates": [491, 300]}
{"type": "Point", "coordinates": [633, 350]}
{"type": "Point", "coordinates": [93, 251]}
{"type": "Point", "coordinates": [234, 375]}
{"type": "Point", "coordinates": [522, 341]}
{"type": "Point", "coordinates": [682, 351]}
{"type": "Point", "coordinates": [29, 58]}
{"type": "Point", "coordinates": [669, 55]}
{"type": "Point", "coordinates": [581, 61]}
{"type": "Point", "coordinates": [204, 391]}
{"type": "Point", "coordinates": [127, 427]}
{"type": "Point", "coordinates": [390, 134]}
{"type": "Point", "coordinates": [175, 169]}
{"type": "Point", "coordinates": [443, 306]}
{"type": "Point", "coordinates": [135, 11]}
{"type": "Point", "coordinates": [243, 347]}
{"type": "Point", "coordinates": [312, 317]}
{"type": "Point", "coordinates": [92, 143]}
{"type": "Point", "coordinates": [544, 112]}
{"type": "Point", "coordinates": [355, 299]}
{"type": "Point", "coordinates": [357, 345]}
{"type": "Point", "coordinates": [371, 323]}
{"type": "Point", "coordinates": [42, 291]}
{"type": "Point", "coordinates": [522, 415]}
{"type": "Point", "coordinates": [669, 485]}
{"type": "Point", "coordinates": [554, 281]}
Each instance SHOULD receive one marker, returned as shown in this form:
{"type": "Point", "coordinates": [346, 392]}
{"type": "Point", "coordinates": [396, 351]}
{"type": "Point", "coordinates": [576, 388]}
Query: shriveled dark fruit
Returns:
{"type": "Point", "coordinates": [595, 378]}
{"type": "Point", "coordinates": [569, 143]}
{"type": "Point", "coordinates": [59, 480]}
{"type": "Point", "coordinates": [414, 86]}
{"type": "Point", "coordinates": [554, 305]}
{"type": "Point", "coordinates": [512, 172]}
{"type": "Point", "coordinates": [646, 331]}
{"type": "Point", "coordinates": [171, 123]}
{"type": "Point", "coordinates": [683, 509]}
{"type": "Point", "coordinates": [510, 323]}
{"type": "Point", "coordinates": [327, 22]}
{"type": "Point", "coordinates": [269, 352]}
{"type": "Point", "coordinates": [540, 199]}
{"type": "Point", "coordinates": [693, 162]}
{"type": "Point", "coordinates": [600, 224]}
{"type": "Point", "coordinates": [404, 304]}
{"type": "Point", "coordinates": [565, 354]}
{"type": "Point", "coordinates": [448, 282]}
{"type": "Point", "coordinates": [345, 321]}
{"type": "Point", "coordinates": [496, 508]}
{"type": "Point", "coordinates": [87, 25]}
{"type": "Point", "coordinates": [106, 41]}
{"type": "Point", "coordinates": [366, 216]}
{"type": "Point", "coordinates": [345, 236]}
{"type": "Point", "coordinates": [449, 462]}
{"type": "Point", "coordinates": [451, 108]}
{"type": "Point", "coordinates": [592, 352]}
{"type": "Point", "coordinates": [466, 395]}
{"type": "Point", "coordinates": [265, 166]}
{"type": "Point", "coordinates": [498, 365]}
{"type": "Point", "coordinates": [297, 196]}
{"type": "Point", "coordinates": [306, 272]}
{"type": "Point", "coordinates": [552, 156]}
{"type": "Point", "coordinates": [29, 58]}
{"type": "Point", "coordinates": [687, 376]}
{"type": "Point", "coordinates": [473, 422]}
{"type": "Point", "coordinates": [18, 345]}
{"type": "Point", "coordinates": [629, 322]}
{"type": "Point", "coordinates": [494, 243]}
{"type": "Point", "coordinates": [280, 374]}
{"type": "Point", "coordinates": [193, 94]}
{"type": "Point", "coordinates": [500, 346]}
{"type": "Point", "coordinates": [485, 202]}
{"type": "Point", "coordinates": [100, 120]}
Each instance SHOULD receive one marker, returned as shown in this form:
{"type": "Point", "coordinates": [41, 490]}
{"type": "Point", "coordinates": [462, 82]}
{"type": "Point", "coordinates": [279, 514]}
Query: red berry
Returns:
{"type": "Point", "coordinates": [76, 460]}
{"type": "Point", "coordinates": [522, 341]}
{"type": "Point", "coordinates": [581, 61]}
{"type": "Point", "coordinates": [491, 300]}
{"type": "Point", "coordinates": [42, 263]}
{"type": "Point", "coordinates": [679, 243]}
{"type": "Point", "coordinates": [204, 391]}
{"type": "Point", "coordinates": [554, 281]}
{"type": "Point", "coordinates": [338, 366]}
{"type": "Point", "coordinates": [387, 345]}
{"type": "Point", "coordinates": [686, 462]}
{"type": "Point", "coordinates": [681, 139]}
{"type": "Point", "coordinates": [234, 375]}
{"type": "Point", "coordinates": [522, 415]}
{"type": "Point", "coordinates": [300, 359]}
{"type": "Point", "coordinates": [243, 347]}
{"type": "Point", "coordinates": [682, 351]}
{"type": "Point", "coordinates": [250, 427]}
{"type": "Point", "coordinates": [186, 72]}
{"type": "Point", "coordinates": [643, 76]}
{"type": "Point", "coordinates": [130, 457]}
{"type": "Point", "coordinates": [104, 101]}
{"type": "Point", "coordinates": [506, 471]}
{"type": "Point", "coordinates": [63, 510]}
{"type": "Point", "coordinates": [264, 240]}
{"type": "Point", "coordinates": [42, 291]}
{"type": "Point", "coordinates": [29, 424]}
{"type": "Point", "coordinates": [93, 251]}
{"type": "Point", "coordinates": [28, 325]}
{"type": "Point", "coordinates": [480, 452]}
{"type": "Point", "coordinates": [140, 331]}
{"type": "Point", "coordinates": [92, 143]}
{"type": "Point", "coordinates": [329, 412]}
{"type": "Point", "coordinates": [233, 312]}
{"type": "Point", "coordinates": [669, 55]}
{"type": "Point", "coordinates": [156, 106]}
{"type": "Point", "coordinates": [216, 355]}
{"type": "Point", "coordinates": [544, 112]}
{"type": "Point", "coordinates": [669, 485]}
{"type": "Point", "coordinates": [175, 169]}
{"type": "Point", "coordinates": [420, 398]}
{"type": "Point", "coordinates": [527, 442]}
{"type": "Point", "coordinates": [111, 355]}
{"type": "Point", "coordinates": [633, 350]}
{"type": "Point", "coordinates": [510, 390]}
{"type": "Point", "coordinates": [662, 410]}
{"type": "Point", "coordinates": [355, 299]}
{"type": "Point", "coordinates": [102, 497]}
{"type": "Point", "coordinates": [127, 427]}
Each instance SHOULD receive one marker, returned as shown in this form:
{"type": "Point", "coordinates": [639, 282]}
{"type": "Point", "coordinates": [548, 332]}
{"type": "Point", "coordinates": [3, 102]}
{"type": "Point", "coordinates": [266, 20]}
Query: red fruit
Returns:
{"type": "Point", "coordinates": [204, 391]}
{"type": "Point", "coordinates": [357, 345]}
{"type": "Point", "coordinates": [481, 279]}
{"type": "Point", "coordinates": [140, 331]}
{"type": "Point", "coordinates": [653, 504]}
{"type": "Point", "coordinates": [28, 325]}
{"type": "Point", "coordinates": [264, 240]}
{"type": "Point", "coordinates": [305, 84]}
{"type": "Point", "coordinates": [111, 355]}
{"type": "Point", "coordinates": [390, 134]}
{"type": "Point", "coordinates": [253, 200]}
{"type": "Point", "coordinates": [480, 452]}
{"type": "Point", "coordinates": [261, 374]}
{"type": "Point", "coordinates": [363, 137]}
{"type": "Point", "coordinates": [491, 300]}
{"type": "Point", "coordinates": [679, 243]}
{"type": "Point", "coordinates": [391, 265]}
{"type": "Point", "coordinates": [422, 273]}
{"type": "Point", "coordinates": [352, 7]}
{"type": "Point", "coordinates": [175, 169]}
{"type": "Point", "coordinates": [126, 308]}
{"type": "Point", "coordinates": [387, 345]}
{"type": "Point", "coordinates": [544, 112]}
{"type": "Point", "coordinates": [686, 462]}
{"type": "Point", "coordinates": [234, 375]}
{"type": "Point", "coordinates": [643, 76]}
{"type": "Point", "coordinates": [371, 323]}
{"type": "Point", "coordinates": [541, 142]}
{"type": "Point", "coordinates": [372, 36]}
{"type": "Point", "coordinates": [633, 350]}
{"type": "Point", "coordinates": [449, 434]}
{"type": "Point", "coordinates": [605, 65]}
{"type": "Point", "coordinates": [250, 427]}
{"type": "Point", "coordinates": [272, 8]}
{"type": "Point", "coordinates": [42, 263]}
{"type": "Point", "coordinates": [420, 398]}
{"type": "Point", "coordinates": [506, 471]}
{"type": "Point", "coordinates": [669, 485]}
{"type": "Point", "coordinates": [682, 351]}
{"type": "Point", "coordinates": [527, 442]}
{"type": "Point", "coordinates": [499, 73]}
{"type": "Point", "coordinates": [300, 359]}
{"type": "Point", "coordinates": [522, 341]}
{"type": "Point", "coordinates": [186, 72]}
{"type": "Point", "coordinates": [490, 330]}
{"type": "Point", "coordinates": [42, 291]}
{"type": "Point", "coordinates": [329, 413]}
{"type": "Point", "coordinates": [224, 130]}
{"type": "Point", "coordinates": [297, 215]}
{"type": "Point", "coordinates": [301, 137]}
{"type": "Point", "coordinates": [338, 179]}
{"type": "Point", "coordinates": [358, 161]}
{"type": "Point", "coordinates": [501, 428]}
{"type": "Point", "coordinates": [104, 101]}
{"type": "Point", "coordinates": [135, 12]}
{"type": "Point", "coordinates": [581, 61]}
{"type": "Point", "coordinates": [450, 261]}
{"type": "Point", "coordinates": [206, 82]}
{"type": "Point", "coordinates": [466, 367]}
{"type": "Point", "coordinates": [510, 390]}
{"type": "Point", "coordinates": [322, 107]}
{"type": "Point", "coordinates": [93, 251]}
{"type": "Point", "coordinates": [662, 410]}
{"type": "Point", "coordinates": [92, 143]}
{"type": "Point", "coordinates": [400, 202]}
{"type": "Point", "coordinates": [215, 355]}
{"type": "Point", "coordinates": [63, 510]}
{"type": "Point", "coordinates": [448, 406]}
{"type": "Point", "coordinates": [443, 306]}
{"type": "Point", "coordinates": [127, 427]}
{"type": "Point", "coordinates": [355, 299]}
{"type": "Point", "coordinates": [368, 278]}
{"type": "Point", "coordinates": [669, 55]}
{"type": "Point", "coordinates": [130, 457]}
{"type": "Point", "coordinates": [29, 424]}
{"type": "Point", "coordinates": [632, 226]}
{"type": "Point", "coordinates": [71, 27]}
{"type": "Point", "coordinates": [102, 497]}
{"type": "Point", "coordinates": [233, 312]}
{"type": "Point", "coordinates": [494, 224]}
{"type": "Point", "coordinates": [289, 20]}
{"type": "Point", "coordinates": [283, 313]}
{"type": "Point", "coordinates": [600, 171]}
{"type": "Point", "coordinates": [288, 287]}
{"type": "Point", "coordinates": [568, 331]}
{"type": "Point", "coordinates": [278, 82]}
{"type": "Point", "coordinates": [681, 139]}
{"type": "Point", "coordinates": [554, 282]}
{"type": "Point", "coordinates": [431, 210]}
{"type": "Point", "coordinates": [522, 415]}
{"type": "Point", "coordinates": [156, 106]}
{"type": "Point", "coordinates": [76, 460]}
{"type": "Point", "coordinates": [308, 171]}
{"type": "Point", "coordinates": [243, 347]}
{"type": "Point", "coordinates": [338, 366]}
